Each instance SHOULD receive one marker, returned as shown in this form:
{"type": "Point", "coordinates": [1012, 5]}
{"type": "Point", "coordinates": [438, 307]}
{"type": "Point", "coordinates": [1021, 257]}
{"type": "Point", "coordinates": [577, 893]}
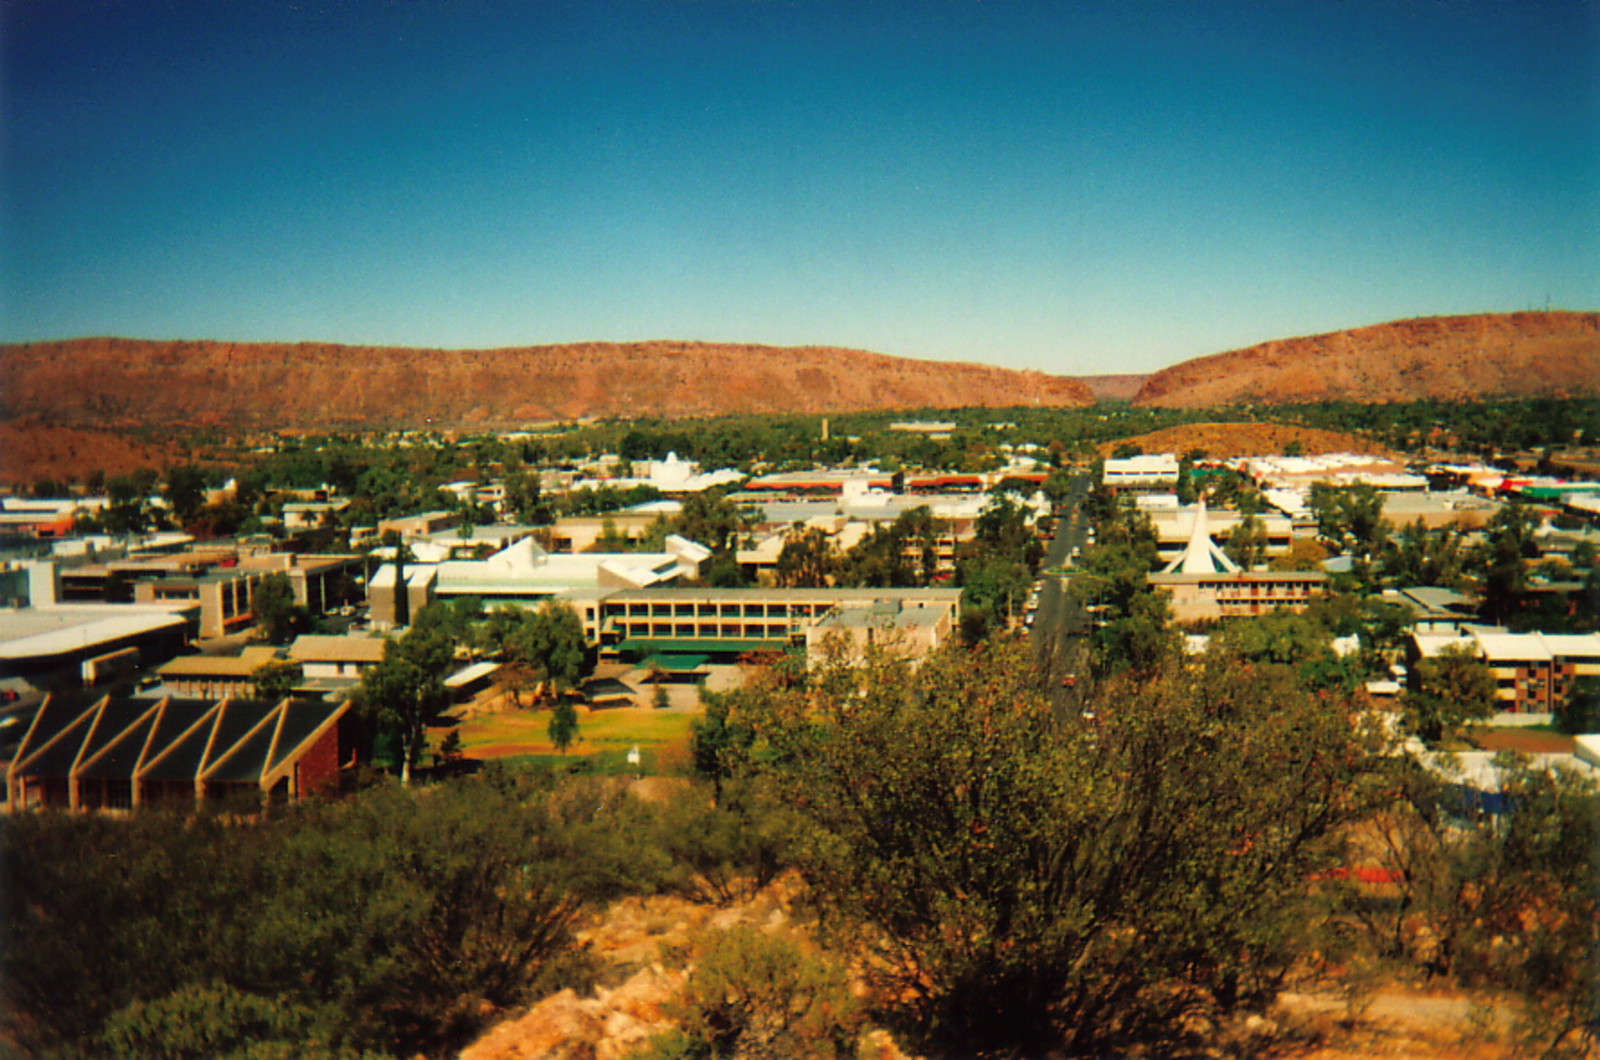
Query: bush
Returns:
{"type": "Point", "coordinates": [395, 922]}
{"type": "Point", "coordinates": [1014, 881]}
{"type": "Point", "coordinates": [757, 997]}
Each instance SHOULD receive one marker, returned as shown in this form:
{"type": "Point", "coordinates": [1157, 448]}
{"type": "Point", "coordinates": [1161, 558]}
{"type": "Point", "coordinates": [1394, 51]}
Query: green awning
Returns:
{"type": "Point", "coordinates": [676, 664]}
{"type": "Point", "coordinates": [698, 645]}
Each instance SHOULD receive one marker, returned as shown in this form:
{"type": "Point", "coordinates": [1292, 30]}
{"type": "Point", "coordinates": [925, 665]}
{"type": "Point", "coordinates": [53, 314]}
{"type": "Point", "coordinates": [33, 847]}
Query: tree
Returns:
{"type": "Point", "coordinates": [279, 618]}
{"type": "Point", "coordinates": [876, 561]}
{"type": "Point", "coordinates": [382, 925]}
{"type": "Point", "coordinates": [1305, 553]}
{"type": "Point", "coordinates": [186, 492]}
{"type": "Point", "coordinates": [1419, 556]}
{"type": "Point", "coordinates": [1452, 688]}
{"type": "Point", "coordinates": [563, 727]}
{"type": "Point", "coordinates": [546, 647]}
{"type": "Point", "coordinates": [1350, 518]}
{"type": "Point", "coordinates": [1246, 544]}
{"type": "Point", "coordinates": [554, 645]}
{"type": "Point", "coordinates": [275, 679]}
{"type": "Point", "coordinates": [404, 691]}
{"type": "Point", "coordinates": [1502, 563]}
{"type": "Point", "coordinates": [1016, 883]}
{"type": "Point", "coordinates": [807, 560]}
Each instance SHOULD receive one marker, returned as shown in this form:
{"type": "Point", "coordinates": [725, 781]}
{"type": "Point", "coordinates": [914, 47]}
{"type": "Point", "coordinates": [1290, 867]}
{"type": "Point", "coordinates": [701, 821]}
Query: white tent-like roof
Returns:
{"type": "Point", "coordinates": [1201, 555]}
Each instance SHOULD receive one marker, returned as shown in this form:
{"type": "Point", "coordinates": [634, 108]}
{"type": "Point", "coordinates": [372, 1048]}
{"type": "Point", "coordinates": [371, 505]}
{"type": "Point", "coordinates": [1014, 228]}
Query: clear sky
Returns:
{"type": "Point", "coordinates": [1074, 187]}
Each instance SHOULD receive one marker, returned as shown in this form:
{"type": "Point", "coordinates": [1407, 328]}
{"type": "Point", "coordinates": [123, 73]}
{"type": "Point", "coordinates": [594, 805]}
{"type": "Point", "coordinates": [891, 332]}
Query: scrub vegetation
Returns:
{"type": "Point", "coordinates": [987, 874]}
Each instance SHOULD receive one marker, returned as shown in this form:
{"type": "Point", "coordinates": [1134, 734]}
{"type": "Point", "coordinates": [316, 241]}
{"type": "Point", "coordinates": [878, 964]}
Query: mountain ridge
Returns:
{"type": "Point", "coordinates": [1453, 358]}
{"type": "Point", "coordinates": [129, 382]}
{"type": "Point", "coordinates": [108, 382]}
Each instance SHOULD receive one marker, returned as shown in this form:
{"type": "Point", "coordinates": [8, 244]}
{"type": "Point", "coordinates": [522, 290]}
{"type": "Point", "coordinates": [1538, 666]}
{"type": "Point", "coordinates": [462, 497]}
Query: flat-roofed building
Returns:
{"type": "Point", "coordinates": [1143, 473]}
{"type": "Point", "coordinates": [1533, 672]}
{"type": "Point", "coordinates": [50, 644]}
{"type": "Point", "coordinates": [725, 623]}
{"type": "Point", "coordinates": [850, 635]}
{"type": "Point", "coordinates": [226, 597]}
{"type": "Point", "coordinates": [322, 656]}
{"type": "Point", "coordinates": [216, 676]}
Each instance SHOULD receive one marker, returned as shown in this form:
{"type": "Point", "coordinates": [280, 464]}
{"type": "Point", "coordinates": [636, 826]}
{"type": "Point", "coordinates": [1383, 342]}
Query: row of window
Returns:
{"type": "Point", "coordinates": [632, 609]}
{"type": "Point", "coordinates": [696, 631]}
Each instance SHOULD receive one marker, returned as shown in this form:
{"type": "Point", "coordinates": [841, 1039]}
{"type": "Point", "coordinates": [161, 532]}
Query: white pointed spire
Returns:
{"type": "Point", "coordinates": [1201, 556]}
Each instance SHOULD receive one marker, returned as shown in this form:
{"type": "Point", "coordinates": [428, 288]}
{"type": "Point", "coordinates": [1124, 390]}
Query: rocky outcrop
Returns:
{"type": "Point", "coordinates": [1463, 358]}
{"type": "Point", "coordinates": [128, 382]}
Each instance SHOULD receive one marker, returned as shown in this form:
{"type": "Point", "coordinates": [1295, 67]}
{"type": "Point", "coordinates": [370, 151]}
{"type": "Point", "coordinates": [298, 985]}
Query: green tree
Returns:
{"type": "Point", "coordinates": [1451, 689]}
{"type": "Point", "coordinates": [279, 618]}
{"type": "Point", "coordinates": [807, 560]}
{"type": "Point", "coordinates": [762, 997]}
{"type": "Point", "coordinates": [1246, 543]}
{"type": "Point", "coordinates": [877, 561]}
{"type": "Point", "coordinates": [1350, 518]}
{"type": "Point", "coordinates": [275, 679]}
{"type": "Point", "coordinates": [1502, 564]}
{"type": "Point", "coordinates": [563, 727]}
{"type": "Point", "coordinates": [186, 492]}
{"type": "Point", "coordinates": [405, 690]}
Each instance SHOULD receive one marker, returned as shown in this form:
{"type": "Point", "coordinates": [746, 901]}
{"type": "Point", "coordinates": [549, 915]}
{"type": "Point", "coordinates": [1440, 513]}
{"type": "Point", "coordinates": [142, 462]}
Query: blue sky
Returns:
{"type": "Point", "coordinates": [1075, 188]}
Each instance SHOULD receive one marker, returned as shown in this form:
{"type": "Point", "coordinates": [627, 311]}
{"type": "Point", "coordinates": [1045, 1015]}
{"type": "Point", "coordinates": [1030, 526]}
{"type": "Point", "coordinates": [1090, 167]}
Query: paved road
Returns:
{"type": "Point", "coordinates": [1059, 624]}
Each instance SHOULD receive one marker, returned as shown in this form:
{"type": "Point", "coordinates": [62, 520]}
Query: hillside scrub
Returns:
{"type": "Point", "coordinates": [1014, 882]}
{"type": "Point", "coordinates": [395, 923]}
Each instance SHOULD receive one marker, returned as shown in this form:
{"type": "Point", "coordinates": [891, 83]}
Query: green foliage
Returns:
{"type": "Point", "coordinates": [1504, 902]}
{"type": "Point", "coordinates": [186, 491]}
{"type": "Point", "coordinates": [719, 741]}
{"type": "Point", "coordinates": [1350, 518]}
{"type": "Point", "coordinates": [754, 996]}
{"type": "Point", "coordinates": [1246, 544]}
{"type": "Point", "coordinates": [275, 679]}
{"type": "Point", "coordinates": [277, 615]}
{"type": "Point", "coordinates": [405, 690]}
{"type": "Point", "coordinates": [1501, 564]}
{"type": "Point", "coordinates": [563, 727]}
{"type": "Point", "coordinates": [208, 1021]}
{"type": "Point", "coordinates": [390, 923]}
{"type": "Point", "coordinates": [1579, 710]}
{"type": "Point", "coordinates": [1013, 882]}
{"type": "Point", "coordinates": [546, 647]}
{"type": "Point", "coordinates": [1419, 556]}
{"type": "Point", "coordinates": [1452, 688]}
{"type": "Point", "coordinates": [807, 560]}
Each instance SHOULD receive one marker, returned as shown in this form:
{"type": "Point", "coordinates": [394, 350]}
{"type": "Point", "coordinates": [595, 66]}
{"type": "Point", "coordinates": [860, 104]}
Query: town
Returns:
{"type": "Point", "coordinates": [235, 640]}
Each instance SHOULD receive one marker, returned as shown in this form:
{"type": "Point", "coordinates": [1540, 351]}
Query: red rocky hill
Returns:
{"type": "Point", "coordinates": [1553, 354]}
{"type": "Point", "coordinates": [112, 382]}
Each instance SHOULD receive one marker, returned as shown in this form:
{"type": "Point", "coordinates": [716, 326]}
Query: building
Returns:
{"type": "Point", "coordinates": [88, 752]}
{"type": "Point", "coordinates": [1145, 473]}
{"type": "Point", "coordinates": [850, 635]}
{"type": "Point", "coordinates": [725, 623]}
{"type": "Point", "coordinates": [526, 575]}
{"type": "Point", "coordinates": [1533, 672]}
{"type": "Point", "coordinates": [226, 597]}
{"type": "Point", "coordinates": [1174, 526]}
{"type": "Point", "coordinates": [1206, 585]}
{"type": "Point", "coordinates": [330, 656]}
{"type": "Point", "coordinates": [419, 525]}
{"type": "Point", "coordinates": [49, 645]}
{"type": "Point", "coordinates": [216, 676]}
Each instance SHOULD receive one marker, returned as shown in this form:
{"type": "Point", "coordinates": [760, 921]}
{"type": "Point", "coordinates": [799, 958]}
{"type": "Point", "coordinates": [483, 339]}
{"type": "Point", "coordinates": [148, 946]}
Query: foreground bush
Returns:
{"type": "Point", "coordinates": [396, 923]}
{"type": "Point", "coordinates": [1017, 882]}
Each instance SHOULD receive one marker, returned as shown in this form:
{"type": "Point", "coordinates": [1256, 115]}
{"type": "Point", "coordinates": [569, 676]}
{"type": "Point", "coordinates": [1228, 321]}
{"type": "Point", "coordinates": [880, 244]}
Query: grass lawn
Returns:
{"type": "Point", "coordinates": [605, 735]}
